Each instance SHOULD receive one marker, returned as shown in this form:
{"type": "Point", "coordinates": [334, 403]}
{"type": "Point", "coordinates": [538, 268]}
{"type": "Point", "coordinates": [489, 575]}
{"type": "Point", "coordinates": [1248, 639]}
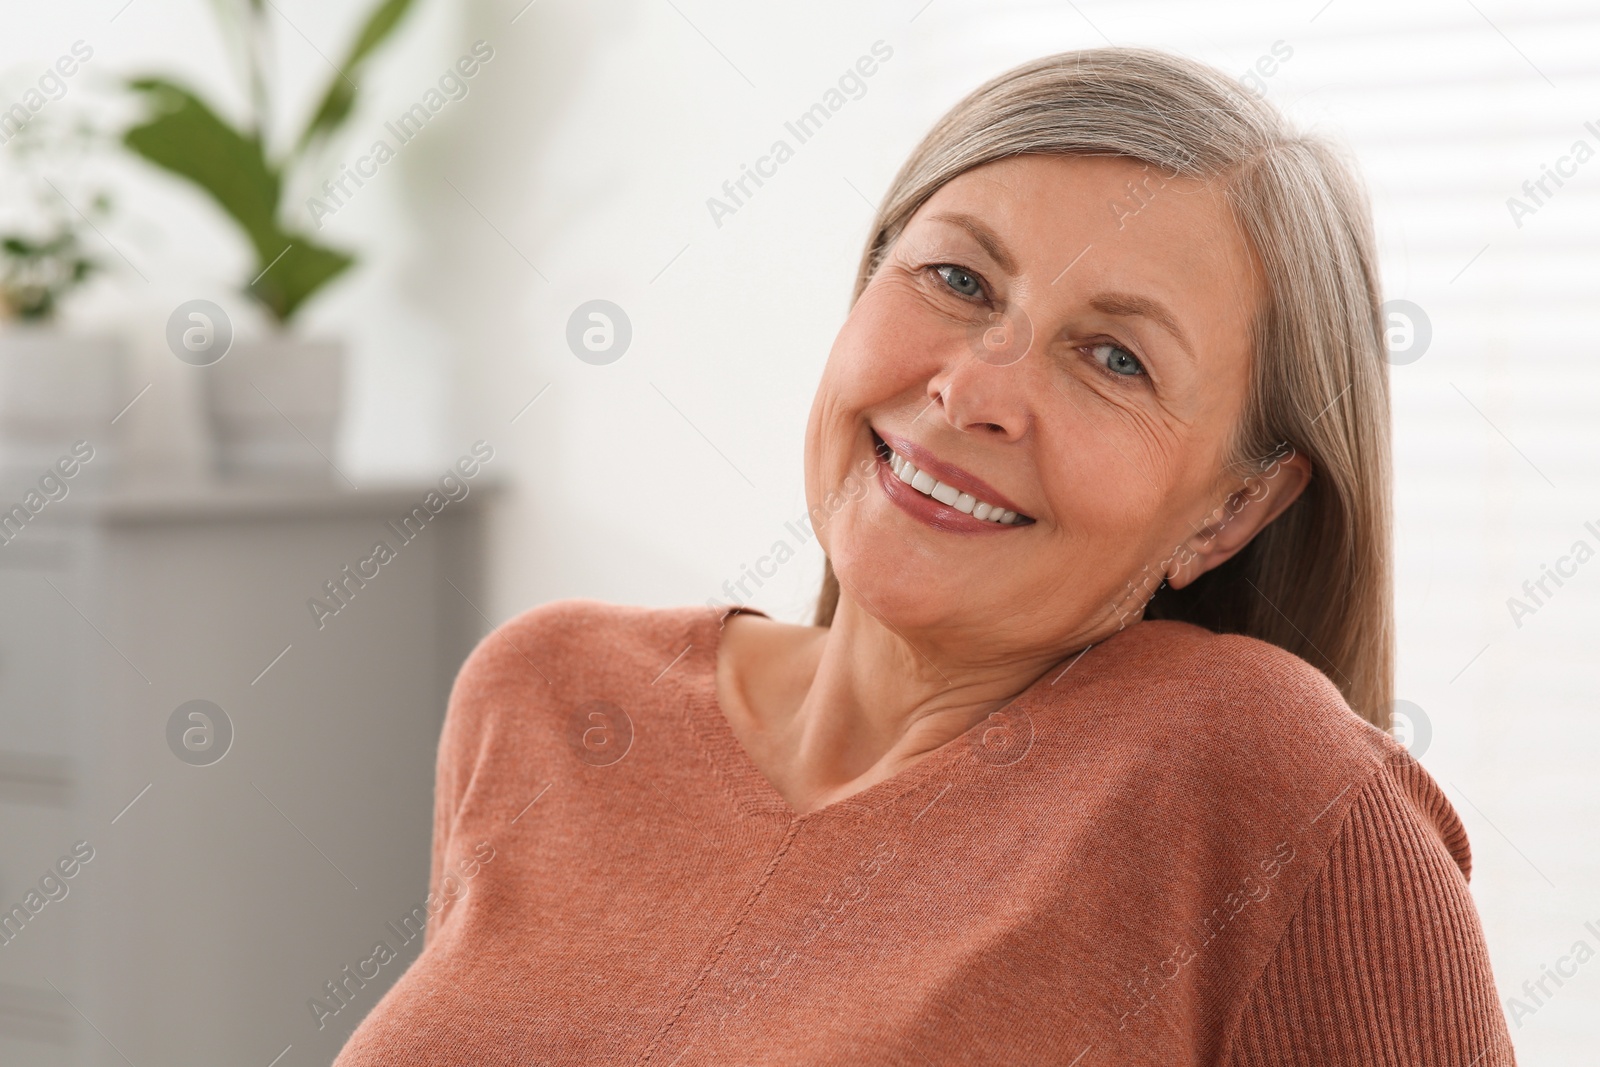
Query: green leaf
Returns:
{"type": "Point", "coordinates": [185, 137]}
{"type": "Point", "coordinates": [378, 28]}
{"type": "Point", "coordinates": [336, 105]}
{"type": "Point", "coordinates": [303, 269]}
{"type": "Point", "coordinates": [340, 96]}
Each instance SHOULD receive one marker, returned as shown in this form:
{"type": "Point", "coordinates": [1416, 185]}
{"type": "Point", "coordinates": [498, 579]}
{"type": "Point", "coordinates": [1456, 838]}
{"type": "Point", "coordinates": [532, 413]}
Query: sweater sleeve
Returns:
{"type": "Point", "coordinates": [1385, 961]}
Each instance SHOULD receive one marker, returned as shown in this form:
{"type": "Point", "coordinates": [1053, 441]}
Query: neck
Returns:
{"type": "Point", "coordinates": [881, 698]}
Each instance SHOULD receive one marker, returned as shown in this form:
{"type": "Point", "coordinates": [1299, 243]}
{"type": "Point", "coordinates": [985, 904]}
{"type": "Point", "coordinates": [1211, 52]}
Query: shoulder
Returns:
{"type": "Point", "coordinates": [566, 640]}
{"type": "Point", "coordinates": [1217, 667]}
{"type": "Point", "coordinates": [1243, 750]}
{"type": "Point", "coordinates": [1232, 733]}
{"type": "Point", "coordinates": [580, 621]}
{"type": "Point", "coordinates": [560, 654]}
{"type": "Point", "coordinates": [1231, 696]}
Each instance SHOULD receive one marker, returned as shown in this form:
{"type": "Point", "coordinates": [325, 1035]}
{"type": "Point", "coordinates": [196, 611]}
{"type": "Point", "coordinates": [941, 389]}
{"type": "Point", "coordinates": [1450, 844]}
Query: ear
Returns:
{"type": "Point", "coordinates": [1258, 499]}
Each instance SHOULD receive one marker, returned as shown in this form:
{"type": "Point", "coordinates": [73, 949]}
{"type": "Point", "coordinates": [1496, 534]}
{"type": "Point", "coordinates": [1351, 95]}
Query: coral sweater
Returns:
{"type": "Point", "coordinates": [1182, 849]}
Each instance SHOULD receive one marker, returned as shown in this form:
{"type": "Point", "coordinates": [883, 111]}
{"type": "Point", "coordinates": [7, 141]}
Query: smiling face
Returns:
{"type": "Point", "coordinates": [1058, 350]}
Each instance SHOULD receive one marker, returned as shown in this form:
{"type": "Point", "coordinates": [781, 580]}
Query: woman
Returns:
{"type": "Point", "coordinates": [1067, 771]}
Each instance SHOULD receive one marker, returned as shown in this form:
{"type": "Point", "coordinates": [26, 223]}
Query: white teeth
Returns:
{"type": "Point", "coordinates": [949, 495]}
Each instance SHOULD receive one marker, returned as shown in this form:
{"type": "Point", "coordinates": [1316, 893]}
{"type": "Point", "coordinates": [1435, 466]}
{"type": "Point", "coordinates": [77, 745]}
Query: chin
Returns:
{"type": "Point", "coordinates": [894, 586]}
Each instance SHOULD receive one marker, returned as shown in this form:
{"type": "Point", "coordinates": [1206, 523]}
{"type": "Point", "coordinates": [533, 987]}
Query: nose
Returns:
{"type": "Point", "coordinates": [979, 397]}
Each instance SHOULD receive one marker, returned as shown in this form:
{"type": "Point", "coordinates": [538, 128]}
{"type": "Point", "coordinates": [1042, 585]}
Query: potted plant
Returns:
{"type": "Point", "coordinates": [268, 397]}
{"type": "Point", "coordinates": [55, 386]}
{"type": "Point", "coordinates": [37, 271]}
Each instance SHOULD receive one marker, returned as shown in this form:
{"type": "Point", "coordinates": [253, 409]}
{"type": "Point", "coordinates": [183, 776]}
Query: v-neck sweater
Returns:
{"type": "Point", "coordinates": [1178, 848]}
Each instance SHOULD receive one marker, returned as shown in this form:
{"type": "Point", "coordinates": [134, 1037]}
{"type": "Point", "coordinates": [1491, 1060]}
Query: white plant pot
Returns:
{"type": "Point", "coordinates": [56, 389]}
{"type": "Point", "coordinates": [273, 406]}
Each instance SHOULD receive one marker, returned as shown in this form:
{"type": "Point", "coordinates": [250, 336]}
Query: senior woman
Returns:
{"type": "Point", "coordinates": [1083, 760]}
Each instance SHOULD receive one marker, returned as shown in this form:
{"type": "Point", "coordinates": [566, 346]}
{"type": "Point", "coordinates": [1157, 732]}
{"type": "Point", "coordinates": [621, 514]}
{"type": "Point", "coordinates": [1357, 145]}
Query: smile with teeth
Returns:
{"type": "Point", "coordinates": [948, 495]}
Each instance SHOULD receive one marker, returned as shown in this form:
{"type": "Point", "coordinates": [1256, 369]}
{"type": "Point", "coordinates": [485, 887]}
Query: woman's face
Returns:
{"type": "Point", "coordinates": [1064, 338]}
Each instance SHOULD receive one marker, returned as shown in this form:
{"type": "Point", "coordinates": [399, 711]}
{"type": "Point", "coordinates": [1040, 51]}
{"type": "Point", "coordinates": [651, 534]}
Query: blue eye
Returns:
{"type": "Point", "coordinates": [1117, 360]}
{"type": "Point", "coordinates": [959, 280]}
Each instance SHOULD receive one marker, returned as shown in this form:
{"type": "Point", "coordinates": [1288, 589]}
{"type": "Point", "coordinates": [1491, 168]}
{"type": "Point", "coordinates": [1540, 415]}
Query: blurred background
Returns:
{"type": "Point", "coordinates": [491, 296]}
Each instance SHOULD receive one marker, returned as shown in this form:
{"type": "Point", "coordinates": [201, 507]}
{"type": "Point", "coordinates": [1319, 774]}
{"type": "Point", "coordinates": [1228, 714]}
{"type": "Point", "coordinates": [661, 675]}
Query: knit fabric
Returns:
{"type": "Point", "coordinates": [1182, 848]}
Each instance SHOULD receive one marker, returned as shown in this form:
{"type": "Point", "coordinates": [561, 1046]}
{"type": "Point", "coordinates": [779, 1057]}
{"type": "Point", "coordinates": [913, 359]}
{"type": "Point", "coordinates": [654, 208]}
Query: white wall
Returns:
{"type": "Point", "coordinates": [581, 162]}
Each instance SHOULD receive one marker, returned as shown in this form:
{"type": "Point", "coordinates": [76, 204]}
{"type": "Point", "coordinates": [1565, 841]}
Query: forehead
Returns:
{"type": "Point", "coordinates": [1072, 222]}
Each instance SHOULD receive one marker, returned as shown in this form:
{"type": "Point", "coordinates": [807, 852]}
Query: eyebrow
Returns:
{"type": "Point", "coordinates": [1129, 305]}
{"type": "Point", "coordinates": [984, 236]}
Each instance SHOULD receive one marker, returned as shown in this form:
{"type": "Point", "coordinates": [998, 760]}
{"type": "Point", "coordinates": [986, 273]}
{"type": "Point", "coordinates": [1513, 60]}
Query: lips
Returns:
{"type": "Point", "coordinates": [941, 494]}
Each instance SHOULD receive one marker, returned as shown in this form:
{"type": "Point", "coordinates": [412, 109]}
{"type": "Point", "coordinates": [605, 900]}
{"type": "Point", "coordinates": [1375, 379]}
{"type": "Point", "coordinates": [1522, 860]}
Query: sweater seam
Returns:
{"type": "Point", "coordinates": [1232, 1028]}
{"type": "Point", "coordinates": [671, 1022]}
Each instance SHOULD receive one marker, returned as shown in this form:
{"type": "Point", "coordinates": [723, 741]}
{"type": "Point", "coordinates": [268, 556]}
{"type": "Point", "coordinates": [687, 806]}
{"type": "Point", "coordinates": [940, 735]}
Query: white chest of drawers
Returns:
{"type": "Point", "coordinates": [219, 898]}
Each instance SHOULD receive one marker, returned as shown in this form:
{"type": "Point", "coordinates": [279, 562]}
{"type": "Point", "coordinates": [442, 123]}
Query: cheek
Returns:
{"type": "Point", "coordinates": [1098, 457]}
{"type": "Point", "coordinates": [1112, 483]}
{"type": "Point", "coordinates": [882, 359]}
{"type": "Point", "coordinates": [1125, 430]}
{"type": "Point", "coordinates": [891, 345]}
